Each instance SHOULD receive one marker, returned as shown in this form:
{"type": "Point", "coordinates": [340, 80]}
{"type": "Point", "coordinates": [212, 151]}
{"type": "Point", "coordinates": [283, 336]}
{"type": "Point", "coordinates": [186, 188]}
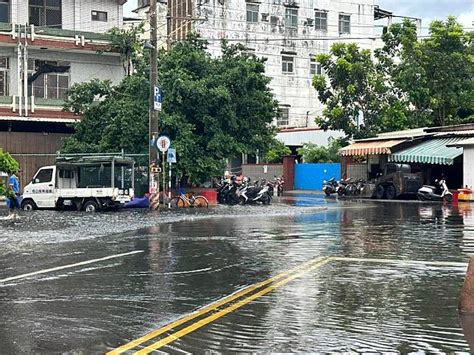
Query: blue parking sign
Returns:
{"type": "Point", "coordinates": [171, 158]}
{"type": "Point", "coordinates": [157, 98]}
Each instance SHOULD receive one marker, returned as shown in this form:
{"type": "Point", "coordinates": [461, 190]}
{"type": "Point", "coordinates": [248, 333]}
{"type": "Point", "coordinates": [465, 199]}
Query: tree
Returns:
{"type": "Point", "coordinates": [127, 42]}
{"type": "Point", "coordinates": [7, 165]}
{"type": "Point", "coordinates": [276, 152]}
{"type": "Point", "coordinates": [356, 93]}
{"type": "Point", "coordinates": [213, 108]}
{"type": "Point", "coordinates": [442, 67]}
{"type": "Point", "coordinates": [313, 153]}
{"type": "Point", "coordinates": [408, 83]}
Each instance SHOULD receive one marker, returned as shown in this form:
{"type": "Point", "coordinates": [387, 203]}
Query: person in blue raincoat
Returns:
{"type": "Point", "coordinates": [14, 193]}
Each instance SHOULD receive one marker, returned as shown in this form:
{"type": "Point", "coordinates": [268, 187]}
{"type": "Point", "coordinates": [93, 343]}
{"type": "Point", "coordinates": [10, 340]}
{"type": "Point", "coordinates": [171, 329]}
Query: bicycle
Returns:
{"type": "Point", "coordinates": [189, 200]}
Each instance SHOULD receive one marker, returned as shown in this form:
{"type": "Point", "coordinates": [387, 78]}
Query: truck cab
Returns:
{"type": "Point", "coordinates": [85, 183]}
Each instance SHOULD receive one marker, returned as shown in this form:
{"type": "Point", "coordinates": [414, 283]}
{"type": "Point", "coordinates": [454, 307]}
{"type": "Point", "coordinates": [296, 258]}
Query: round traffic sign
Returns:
{"type": "Point", "coordinates": [163, 143]}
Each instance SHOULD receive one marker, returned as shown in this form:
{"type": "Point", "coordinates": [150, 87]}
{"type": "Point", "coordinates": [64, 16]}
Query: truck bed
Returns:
{"type": "Point", "coordinates": [87, 192]}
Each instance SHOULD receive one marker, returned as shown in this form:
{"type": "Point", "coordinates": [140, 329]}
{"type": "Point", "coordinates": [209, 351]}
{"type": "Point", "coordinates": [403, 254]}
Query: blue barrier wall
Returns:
{"type": "Point", "coordinates": [311, 176]}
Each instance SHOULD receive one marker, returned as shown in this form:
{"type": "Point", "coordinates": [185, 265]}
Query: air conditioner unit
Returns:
{"type": "Point", "coordinates": [289, 2]}
{"type": "Point", "coordinates": [264, 17]}
{"type": "Point", "coordinates": [309, 22]}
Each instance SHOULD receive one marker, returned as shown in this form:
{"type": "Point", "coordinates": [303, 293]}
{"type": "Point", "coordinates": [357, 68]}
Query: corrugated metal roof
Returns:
{"type": "Point", "coordinates": [405, 134]}
{"type": "Point", "coordinates": [466, 133]}
{"type": "Point", "coordinates": [370, 148]}
{"type": "Point", "coordinates": [462, 143]}
{"type": "Point", "coordinates": [433, 151]}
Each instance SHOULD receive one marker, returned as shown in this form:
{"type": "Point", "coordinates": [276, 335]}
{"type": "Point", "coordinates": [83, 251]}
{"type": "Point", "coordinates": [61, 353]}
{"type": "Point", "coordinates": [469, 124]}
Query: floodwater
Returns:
{"type": "Point", "coordinates": [379, 302]}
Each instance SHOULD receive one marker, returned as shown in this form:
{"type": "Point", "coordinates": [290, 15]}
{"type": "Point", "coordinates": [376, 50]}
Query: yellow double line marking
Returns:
{"type": "Point", "coordinates": [270, 285]}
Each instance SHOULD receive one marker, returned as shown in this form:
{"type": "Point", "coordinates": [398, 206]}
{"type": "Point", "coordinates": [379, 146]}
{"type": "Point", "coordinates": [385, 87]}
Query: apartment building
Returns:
{"type": "Point", "coordinates": [289, 33]}
{"type": "Point", "coordinates": [46, 46]}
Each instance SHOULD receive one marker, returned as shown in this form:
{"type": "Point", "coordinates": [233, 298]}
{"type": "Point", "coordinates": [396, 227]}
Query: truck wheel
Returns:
{"type": "Point", "coordinates": [390, 192]}
{"type": "Point", "coordinates": [28, 205]}
{"type": "Point", "coordinates": [91, 206]}
{"type": "Point", "coordinates": [379, 192]}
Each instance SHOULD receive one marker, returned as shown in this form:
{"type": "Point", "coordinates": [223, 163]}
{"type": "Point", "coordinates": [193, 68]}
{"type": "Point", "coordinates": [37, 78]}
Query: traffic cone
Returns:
{"type": "Point", "coordinates": [466, 299]}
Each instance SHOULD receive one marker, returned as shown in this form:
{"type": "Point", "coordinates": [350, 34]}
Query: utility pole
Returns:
{"type": "Point", "coordinates": [153, 114]}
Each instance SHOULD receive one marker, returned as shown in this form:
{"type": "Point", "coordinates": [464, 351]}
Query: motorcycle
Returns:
{"type": "Point", "coordinates": [435, 193]}
{"type": "Point", "coordinates": [255, 194]}
{"type": "Point", "coordinates": [330, 186]}
{"type": "Point", "coordinates": [342, 186]}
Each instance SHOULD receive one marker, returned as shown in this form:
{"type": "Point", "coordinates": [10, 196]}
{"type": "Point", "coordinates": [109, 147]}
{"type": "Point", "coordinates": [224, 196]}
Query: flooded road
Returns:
{"type": "Point", "coordinates": [314, 274]}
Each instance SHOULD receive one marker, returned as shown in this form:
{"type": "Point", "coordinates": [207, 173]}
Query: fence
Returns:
{"type": "Point", "coordinates": [311, 176]}
{"type": "Point", "coordinates": [262, 171]}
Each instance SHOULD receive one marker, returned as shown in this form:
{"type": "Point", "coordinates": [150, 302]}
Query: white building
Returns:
{"type": "Point", "coordinates": [40, 36]}
{"type": "Point", "coordinates": [289, 33]}
{"type": "Point", "coordinates": [46, 46]}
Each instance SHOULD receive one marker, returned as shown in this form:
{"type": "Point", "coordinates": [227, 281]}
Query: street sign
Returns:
{"type": "Point", "coordinates": [171, 158]}
{"type": "Point", "coordinates": [157, 98]}
{"type": "Point", "coordinates": [163, 143]}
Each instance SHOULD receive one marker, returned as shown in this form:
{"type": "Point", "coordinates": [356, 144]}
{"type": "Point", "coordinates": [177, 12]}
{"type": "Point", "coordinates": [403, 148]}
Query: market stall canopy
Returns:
{"type": "Point", "coordinates": [370, 147]}
{"type": "Point", "coordinates": [433, 151]}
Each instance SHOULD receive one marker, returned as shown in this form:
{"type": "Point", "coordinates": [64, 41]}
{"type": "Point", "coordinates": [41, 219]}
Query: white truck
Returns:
{"type": "Point", "coordinates": [88, 184]}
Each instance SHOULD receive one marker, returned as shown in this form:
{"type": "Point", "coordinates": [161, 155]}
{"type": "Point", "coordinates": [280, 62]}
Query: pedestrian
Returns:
{"type": "Point", "coordinates": [14, 193]}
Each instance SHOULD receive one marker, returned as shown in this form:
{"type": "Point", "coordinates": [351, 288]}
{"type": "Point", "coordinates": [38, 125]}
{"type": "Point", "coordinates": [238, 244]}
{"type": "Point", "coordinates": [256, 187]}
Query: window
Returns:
{"type": "Point", "coordinates": [284, 117]}
{"type": "Point", "coordinates": [252, 13]}
{"type": "Point", "coordinates": [45, 13]}
{"type": "Point", "coordinates": [48, 85]}
{"type": "Point", "coordinates": [315, 67]}
{"type": "Point", "coordinates": [344, 24]}
{"type": "Point", "coordinates": [4, 68]}
{"type": "Point", "coordinates": [4, 10]}
{"type": "Point", "coordinates": [287, 64]}
{"type": "Point", "coordinates": [321, 20]}
{"type": "Point", "coordinates": [44, 175]}
{"type": "Point", "coordinates": [291, 17]}
{"type": "Point", "coordinates": [99, 16]}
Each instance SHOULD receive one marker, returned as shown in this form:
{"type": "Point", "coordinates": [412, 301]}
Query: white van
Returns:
{"type": "Point", "coordinates": [86, 183]}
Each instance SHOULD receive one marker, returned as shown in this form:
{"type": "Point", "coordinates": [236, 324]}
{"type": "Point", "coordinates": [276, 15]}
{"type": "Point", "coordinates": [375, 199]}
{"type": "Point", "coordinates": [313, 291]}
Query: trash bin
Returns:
{"type": "Point", "coordinates": [211, 196]}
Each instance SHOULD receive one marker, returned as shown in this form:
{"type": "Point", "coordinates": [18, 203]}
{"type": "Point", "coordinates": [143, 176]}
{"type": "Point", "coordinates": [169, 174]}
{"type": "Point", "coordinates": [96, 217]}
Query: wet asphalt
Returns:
{"type": "Point", "coordinates": [160, 267]}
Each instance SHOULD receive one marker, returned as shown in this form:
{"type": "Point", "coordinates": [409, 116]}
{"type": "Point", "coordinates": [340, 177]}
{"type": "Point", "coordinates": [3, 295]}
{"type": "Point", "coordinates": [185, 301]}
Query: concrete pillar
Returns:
{"type": "Point", "coordinates": [466, 300]}
{"type": "Point", "coordinates": [289, 172]}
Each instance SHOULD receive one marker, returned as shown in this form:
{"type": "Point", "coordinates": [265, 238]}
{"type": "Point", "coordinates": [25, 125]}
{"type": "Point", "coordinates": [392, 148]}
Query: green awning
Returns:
{"type": "Point", "coordinates": [433, 151]}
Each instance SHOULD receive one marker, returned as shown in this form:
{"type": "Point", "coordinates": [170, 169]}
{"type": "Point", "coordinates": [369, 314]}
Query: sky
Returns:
{"type": "Point", "coordinates": [427, 10]}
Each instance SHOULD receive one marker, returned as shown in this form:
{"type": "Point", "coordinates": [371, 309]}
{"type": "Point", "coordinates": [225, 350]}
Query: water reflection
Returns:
{"type": "Point", "coordinates": [467, 323]}
{"type": "Point", "coordinates": [192, 258]}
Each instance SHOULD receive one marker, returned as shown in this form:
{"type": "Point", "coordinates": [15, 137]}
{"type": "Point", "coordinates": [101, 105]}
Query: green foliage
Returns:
{"type": "Point", "coordinates": [276, 152]}
{"type": "Point", "coordinates": [7, 163]}
{"type": "Point", "coordinates": [127, 42]}
{"type": "Point", "coordinates": [9, 166]}
{"type": "Point", "coordinates": [357, 95]}
{"type": "Point", "coordinates": [213, 108]}
{"type": "Point", "coordinates": [430, 83]}
{"type": "Point", "coordinates": [313, 153]}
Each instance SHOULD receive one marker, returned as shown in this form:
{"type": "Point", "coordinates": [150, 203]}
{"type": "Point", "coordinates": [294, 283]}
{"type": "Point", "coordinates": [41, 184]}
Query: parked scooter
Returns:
{"type": "Point", "coordinates": [342, 186]}
{"type": "Point", "coordinates": [330, 186]}
{"type": "Point", "coordinates": [435, 193]}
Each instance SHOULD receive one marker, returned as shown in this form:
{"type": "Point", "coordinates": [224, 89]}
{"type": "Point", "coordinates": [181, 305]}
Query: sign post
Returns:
{"type": "Point", "coordinates": [171, 158]}
{"type": "Point", "coordinates": [163, 143]}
